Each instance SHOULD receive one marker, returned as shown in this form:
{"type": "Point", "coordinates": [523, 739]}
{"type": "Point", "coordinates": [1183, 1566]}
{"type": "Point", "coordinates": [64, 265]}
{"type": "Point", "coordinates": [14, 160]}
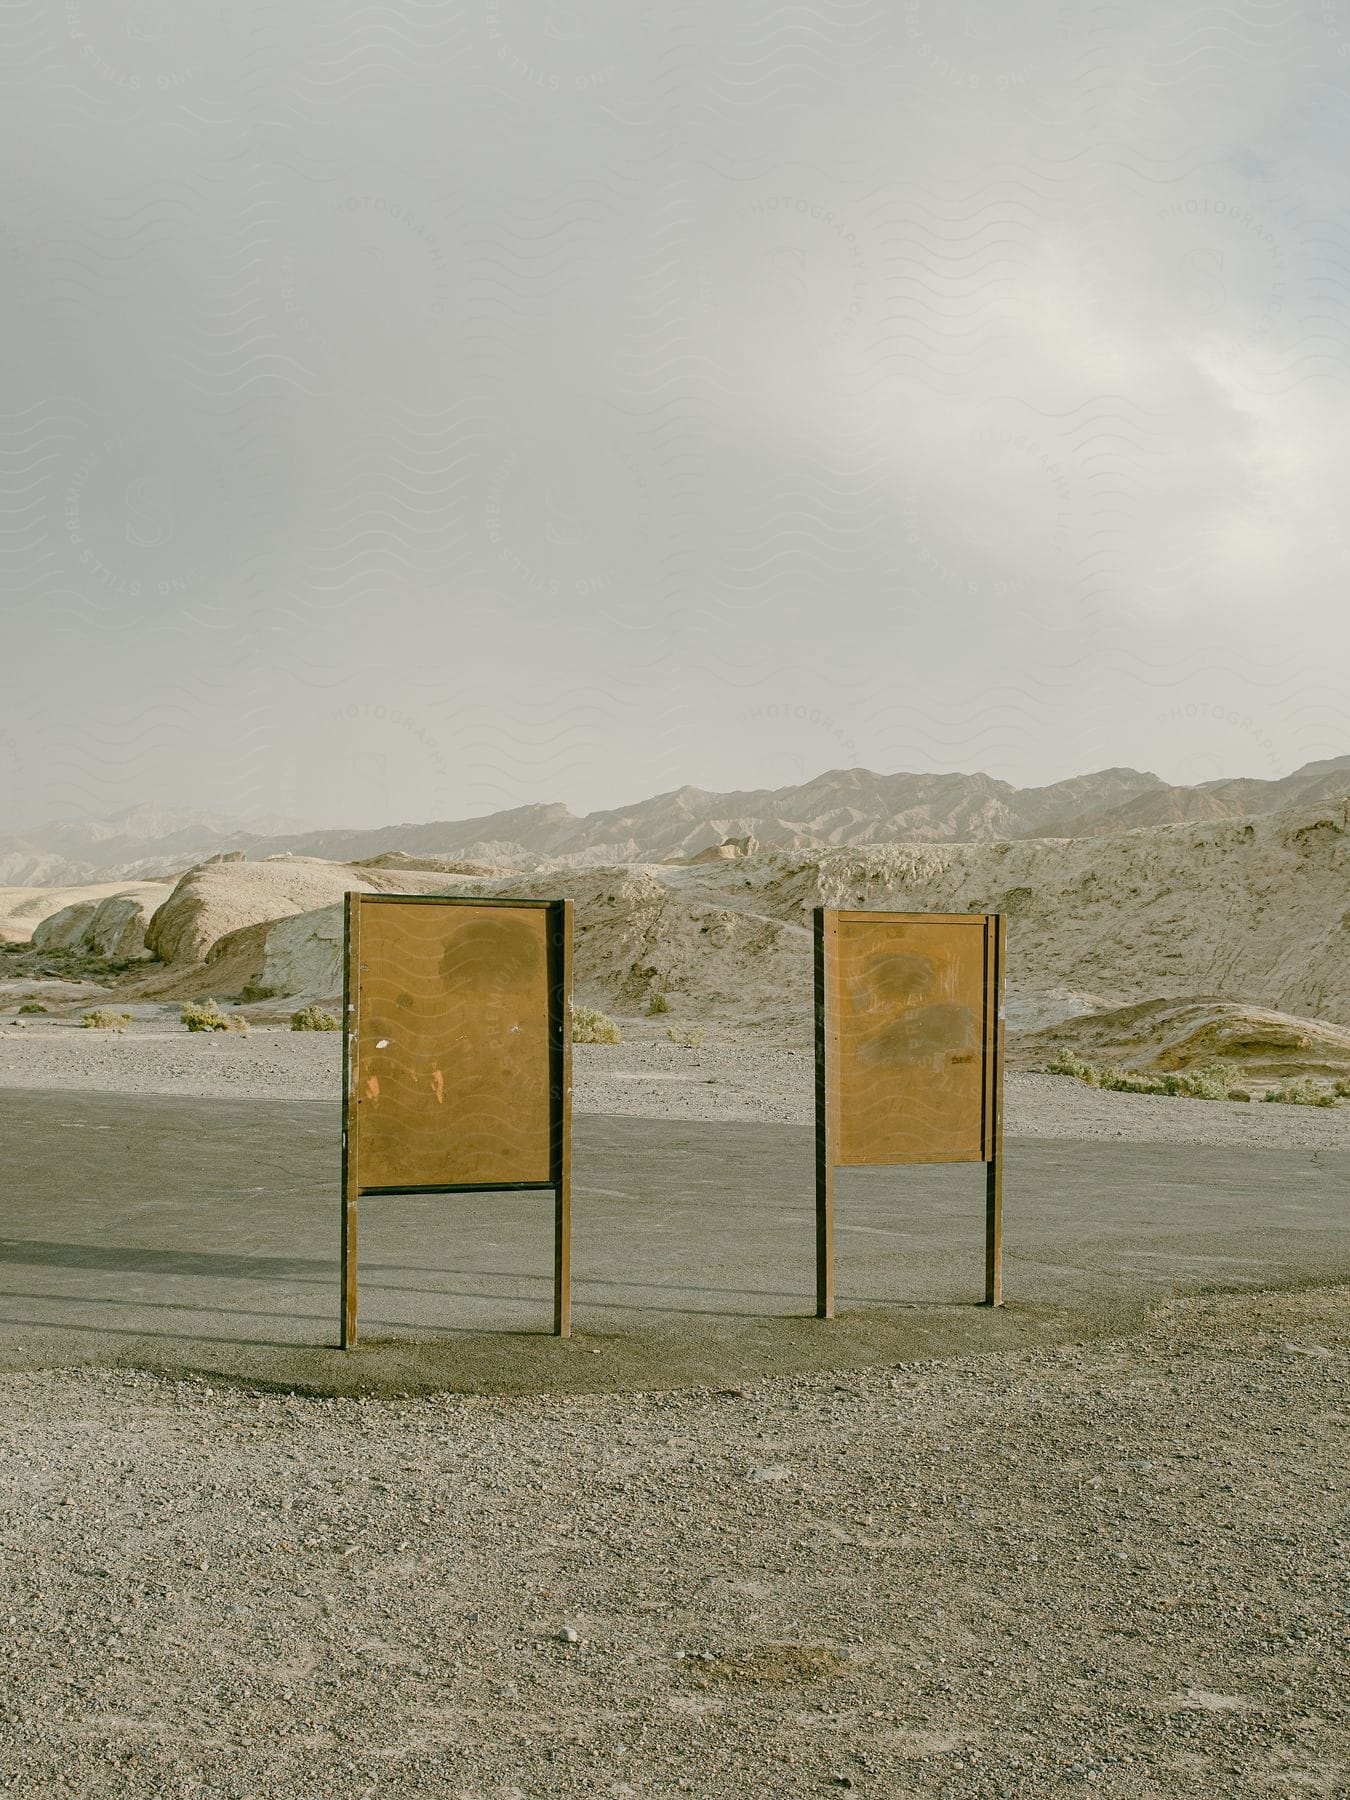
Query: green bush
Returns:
{"type": "Point", "coordinates": [688, 1037]}
{"type": "Point", "coordinates": [314, 1018]}
{"type": "Point", "coordinates": [1066, 1063]}
{"type": "Point", "coordinates": [1300, 1093]}
{"type": "Point", "coordinates": [32, 1006]}
{"type": "Point", "coordinates": [592, 1027]}
{"type": "Point", "coordinates": [1203, 1084]}
{"type": "Point", "coordinates": [104, 1021]}
{"type": "Point", "coordinates": [205, 1015]}
{"type": "Point", "coordinates": [1341, 1088]}
{"type": "Point", "coordinates": [1189, 1084]}
{"type": "Point", "coordinates": [657, 1004]}
{"type": "Point", "coordinates": [1125, 1081]}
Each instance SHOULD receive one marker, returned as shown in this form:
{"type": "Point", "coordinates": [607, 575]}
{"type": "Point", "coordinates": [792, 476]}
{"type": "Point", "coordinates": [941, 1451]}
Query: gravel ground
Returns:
{"type": "Point", "coordinates": [730, 1077]}
{"type": "Point", "coordinates": [1118, 1569]}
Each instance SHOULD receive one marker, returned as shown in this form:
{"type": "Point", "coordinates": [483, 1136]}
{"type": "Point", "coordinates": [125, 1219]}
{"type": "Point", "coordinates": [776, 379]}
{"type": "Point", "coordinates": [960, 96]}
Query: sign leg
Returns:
{"type": "Point", "coordinates": [560, 1011]}
{"type": "Point", "coordinates": [993, 1230]}
{"type": "Point", "coordinates": [347, 1337]}
{"type": "Point", "coordinates": [825, 946]}
{"type": "Point", "coordinates": [824, 1238]}
{"type": "Point", "coordinates": [351, 1184]}
{"type": "Point", "coordinates": [997, 956]}
{"type": "Point", "coordinates": [562, 1258]}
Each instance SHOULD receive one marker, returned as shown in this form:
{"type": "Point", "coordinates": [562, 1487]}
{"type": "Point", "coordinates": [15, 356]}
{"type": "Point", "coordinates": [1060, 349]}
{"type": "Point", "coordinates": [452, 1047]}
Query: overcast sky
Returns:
{"type": "Point", "coordinates": [414, 409]}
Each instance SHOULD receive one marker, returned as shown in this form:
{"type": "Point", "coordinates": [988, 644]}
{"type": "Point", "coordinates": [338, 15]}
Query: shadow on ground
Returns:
{"type": "Point", "coordinates": [200, 1237]}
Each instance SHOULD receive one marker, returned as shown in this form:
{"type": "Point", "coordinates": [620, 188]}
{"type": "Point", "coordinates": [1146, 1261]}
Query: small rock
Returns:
{"type": "Point", "coordinates": [568, 1636]}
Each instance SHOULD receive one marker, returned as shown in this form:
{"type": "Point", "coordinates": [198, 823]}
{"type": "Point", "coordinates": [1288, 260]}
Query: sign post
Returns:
{"type": "Point", "coordinates": [909, 1058]}
{"type": "Point", "coordinates": [457, 1060]}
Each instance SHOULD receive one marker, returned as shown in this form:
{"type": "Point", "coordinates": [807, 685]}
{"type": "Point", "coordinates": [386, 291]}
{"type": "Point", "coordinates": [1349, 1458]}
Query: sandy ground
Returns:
{"type": "Point", "coordinates": [645, 1077]}
{"type": "Point", "coordinates": [1116, 1569]}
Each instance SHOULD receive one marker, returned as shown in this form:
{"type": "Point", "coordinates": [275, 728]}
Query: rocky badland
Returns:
{"type": "Point", "coordinates": [1223, 933]}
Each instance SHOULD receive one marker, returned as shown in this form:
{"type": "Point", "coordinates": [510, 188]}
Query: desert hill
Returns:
{"type": "Point", "coordinates": [1233, 798]}
{"type": "Point", "coordinates": [1161, 1036]}
{"type": "Point", "coordinates": [1250, 914]}
{"type": "Point", "coordinates": [840, 808]}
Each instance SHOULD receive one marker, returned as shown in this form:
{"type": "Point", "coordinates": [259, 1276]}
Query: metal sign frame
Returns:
{"type": "Point", "coordinates": [559, 1180]}
{"type": "Point", "coordinates": [829, 1098]}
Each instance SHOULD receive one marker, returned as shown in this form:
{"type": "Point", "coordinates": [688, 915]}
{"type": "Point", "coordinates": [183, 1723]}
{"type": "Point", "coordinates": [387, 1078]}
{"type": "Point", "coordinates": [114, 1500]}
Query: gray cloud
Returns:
{"type": "Point", "coordinates": [416, 409]}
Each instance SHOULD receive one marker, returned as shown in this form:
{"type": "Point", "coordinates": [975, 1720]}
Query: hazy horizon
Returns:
{"type": "Point", "coordinates": [413, 411]}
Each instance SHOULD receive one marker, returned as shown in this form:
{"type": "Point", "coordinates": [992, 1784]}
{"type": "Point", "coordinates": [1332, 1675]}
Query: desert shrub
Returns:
{"type": "Point", "coordinates": [205, 1015]}
{"type": "Point", "coordinates": [657, 1004]}
{"type": "Point", "coordinates": [592, 1027]}
{"type": "Point", "coordinates": [32, 1006]}
{"type": "Point", "coordinates": [1191, 1084]}
{"type": "Point", "coordinates": [1300, 1093]}
{"type": "Point", "coordinates": [100, 1020]}
{"type": "Point", "coordinates": [314, 1018]}
{"type": "Point", "coordinates": [688, 1037]}
{"type": "Point", "coordinates": [1125, 1081]}
{"type": "Point", "coordinates": [1341, 1088]}
{"type": "Point", "coordinates": [1202, 1084]}
{"type": "Point", "coordinates": [1066, 1063]}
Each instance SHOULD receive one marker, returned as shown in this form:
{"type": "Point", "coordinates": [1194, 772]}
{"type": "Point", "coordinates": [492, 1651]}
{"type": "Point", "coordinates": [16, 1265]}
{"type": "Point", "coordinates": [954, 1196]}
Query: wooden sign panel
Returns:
{"type": "Point", "coordinates": [909, 1057]}
{"type": "Point", "coordinates": [912, 1013]}
{"type": "Point", "coordinates": [457, 1053]}
{"type": "Point", "coordinates": [451, 1056]}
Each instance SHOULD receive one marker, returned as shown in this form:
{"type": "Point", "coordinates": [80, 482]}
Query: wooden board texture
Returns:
{"type": "Point", "coordinates": [451, 1076]}
{"type": "Point", "coordinates": [908, 1000]}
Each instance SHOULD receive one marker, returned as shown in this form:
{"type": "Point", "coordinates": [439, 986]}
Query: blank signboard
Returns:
{"type": "Point", "coordinates": [458, 1059]}
{"type": "Point", "coordinates": [909, 1057]}
{"type": "Point", "coordinates": [912, 1014]}
{"type": "Point", "coordinates": [452, 1052]}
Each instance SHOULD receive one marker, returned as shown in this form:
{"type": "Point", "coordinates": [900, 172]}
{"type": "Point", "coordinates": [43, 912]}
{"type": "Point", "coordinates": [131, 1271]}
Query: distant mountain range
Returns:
{"type": "Point", "coordinates": [147, 840]}
{"type": "Point", "coordinates": [841, 807]}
